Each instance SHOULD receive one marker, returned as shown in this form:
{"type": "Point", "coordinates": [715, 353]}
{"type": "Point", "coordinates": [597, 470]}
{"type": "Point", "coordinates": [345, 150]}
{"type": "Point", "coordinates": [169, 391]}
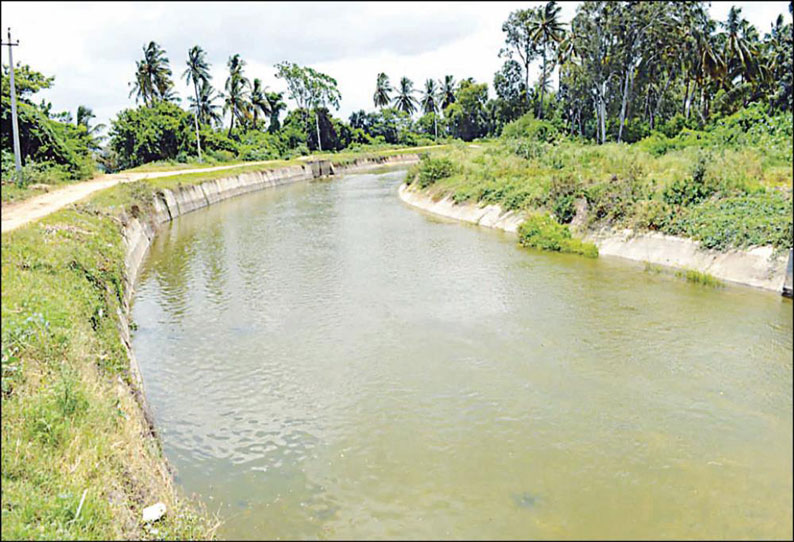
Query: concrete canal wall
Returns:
{"type": "Point", "coordinates": [759, 267]}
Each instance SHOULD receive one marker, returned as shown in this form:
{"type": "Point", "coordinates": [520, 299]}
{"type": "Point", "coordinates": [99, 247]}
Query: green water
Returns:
{"type": "Point", "coordinates": [324, 361]}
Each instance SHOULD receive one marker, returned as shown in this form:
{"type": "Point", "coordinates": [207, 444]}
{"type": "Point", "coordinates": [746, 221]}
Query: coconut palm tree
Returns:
{"type": "Point", "coordinates": [738, 50]}
{"type": "Point", "coordinates": [204, 107]}
{"type": "Point", "coordinates": [275, 105]}
{"type": "Point", "coordinates": [237, 93]}
{"type": "Point", "coordinates": [259, 102]}
{"type": "Point", "coordinates": [429, 102]}
{"type": "Point", "coordinates": [152, 76]}
{"type": "Point", "coordinates": [198, 74]}
{"type": "Point", "coordinates": [382, 91]}
{"type": "Point", "coordinates": [404, 100]}
{"type": "Point", "coordinates": [84, 116]}
{"type": "Point", "coordinates": [447, 91]}
{"type": "Point", "coordinates": [546, 30]}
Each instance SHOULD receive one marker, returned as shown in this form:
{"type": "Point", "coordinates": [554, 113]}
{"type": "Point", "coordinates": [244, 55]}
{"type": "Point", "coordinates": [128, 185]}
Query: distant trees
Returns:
{"type": "Point", "coordinates": [152, 76]}
{"type": "Point", "coordinates": [197, 74]}
{"type": "Point", "coordinates": [404, 100]}
{"type": "Point", "coordinates": [383, 90]}
{"type": "Point", "coordinates": [310, 89]}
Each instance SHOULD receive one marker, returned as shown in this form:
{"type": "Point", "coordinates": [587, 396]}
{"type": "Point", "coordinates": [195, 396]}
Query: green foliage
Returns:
{"type": "Point", "coordinates": [737, 221]}
{"type": "Point", "coordinates": [530, 128]}
{"type": "Point", "coordinates": [543, 232]}
{"type": "Point", "coordinates": [146, 134]}
{"type": "Point", "coordinates": [698, 277]}
{"type": "Point", "coordinates": [650, 215]}
{"type": "Point", "coordinates": [433, 169]}
{"type": "Point", "coordinates": [690, 191]}
{"type": "Point", "coordinates": [52, 150]}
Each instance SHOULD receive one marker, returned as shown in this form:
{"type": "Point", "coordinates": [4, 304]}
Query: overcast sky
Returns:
{"type": "Point", "coordinates": [91, 47]}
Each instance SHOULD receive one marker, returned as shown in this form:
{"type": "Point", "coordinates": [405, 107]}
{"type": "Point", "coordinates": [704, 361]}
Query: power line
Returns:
{"type": "Point", "coordinates": [14, 125]}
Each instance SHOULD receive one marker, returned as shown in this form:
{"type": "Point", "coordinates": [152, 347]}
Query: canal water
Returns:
{"type": "Point", "coordinates": [324, 361]}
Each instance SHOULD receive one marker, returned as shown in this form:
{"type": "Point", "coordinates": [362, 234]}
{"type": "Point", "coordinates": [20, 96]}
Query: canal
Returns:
{"type": "Point", "coordinates": [325, 362]}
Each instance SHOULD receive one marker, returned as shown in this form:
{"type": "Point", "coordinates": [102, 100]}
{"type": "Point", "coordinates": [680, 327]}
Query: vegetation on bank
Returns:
{"type": "Point", "coordinates": [727, 186]}
{"type": "Point", "coordinates": [70, 421]}
{"type": "Point", "coordinates": [72, 430]}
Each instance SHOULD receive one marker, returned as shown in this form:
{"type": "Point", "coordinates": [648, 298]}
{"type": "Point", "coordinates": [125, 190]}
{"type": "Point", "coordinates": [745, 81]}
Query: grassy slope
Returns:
{"type": "Point", "coordinates": [749, 199]}
{"type": "Point", "coordinates": [69, 420]}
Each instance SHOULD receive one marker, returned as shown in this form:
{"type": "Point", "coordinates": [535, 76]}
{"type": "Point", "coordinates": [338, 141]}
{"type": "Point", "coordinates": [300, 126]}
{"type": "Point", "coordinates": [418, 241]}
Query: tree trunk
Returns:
{"type": "Point", "coordinates": [195, 118]}
{"type": "Point", "coordinates": [526, 83]}
{"type": "Point", "coordinates": [435, 126]}
{"type": "Point", "coordinates": [542, 85]}
{"type": "Point", "coordinates": [317, 125]}
{"type": "Point", "coordinates": [623, 103]}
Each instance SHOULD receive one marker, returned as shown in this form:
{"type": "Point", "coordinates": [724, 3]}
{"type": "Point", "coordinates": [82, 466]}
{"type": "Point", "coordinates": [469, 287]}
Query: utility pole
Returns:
{"type": "Point", "coordinates": [14, 126]}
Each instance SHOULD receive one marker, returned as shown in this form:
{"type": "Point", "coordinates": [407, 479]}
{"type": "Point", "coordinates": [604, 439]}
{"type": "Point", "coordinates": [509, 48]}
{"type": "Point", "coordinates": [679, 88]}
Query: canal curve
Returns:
{"type": "Point", "coordinates": [324, 361]}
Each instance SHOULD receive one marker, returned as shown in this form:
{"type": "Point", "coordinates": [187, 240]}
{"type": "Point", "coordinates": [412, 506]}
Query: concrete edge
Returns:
{"type": "Point", "coordinates": [758, 267]}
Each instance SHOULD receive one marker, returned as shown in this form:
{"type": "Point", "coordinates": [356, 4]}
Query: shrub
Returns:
{"type": "Point", "coordinates": [543, 232]}
{"type": "Point", "coordinates": [434, 169]}
{"type": "Point", "coordinates": [530, 128]}
{"type": "Point", "coordinates": [650, 215]}
{"type": "Point", "coordinates": [690, 191]}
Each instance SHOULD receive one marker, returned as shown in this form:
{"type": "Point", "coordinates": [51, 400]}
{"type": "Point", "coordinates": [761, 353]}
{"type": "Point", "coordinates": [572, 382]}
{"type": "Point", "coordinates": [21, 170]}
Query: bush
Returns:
{"type": "Point", "coordinates": [690, 191]}
{"type": "Point", "coordinates": [542, 232]}
{"type": "Point", "coordinates": [528, 127]}
{"type": "Point", "coordinates": [737, 222]}
{"type": "Point", "coordinates": [433, 169]}
{"type": "Point", "coordinates": [650, 215]}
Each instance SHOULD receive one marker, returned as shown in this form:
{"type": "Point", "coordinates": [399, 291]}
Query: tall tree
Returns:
{"type": "Point", "coordinates": [275, 105]}
{"type": "Point", "coordinates": [404, 100]}
{"type": "Point", "coordinates": [83, 118]}
{"type": "Point", "coordinates": [197, 74]}
{"type": "Point", "coordinates": [236, 99]}
{"type": "Point", "coordinates": [429, 102]}
{"type": "Point", "coordinates": [152, 76]}
{"type": "Point", "coordinates": [446, 91]}
{"type": "Point", "coordinates": [311, 89]}
{"type": "Point", "coordinates": [259, 102]}
{"type": "Point", "coordinates": [204, 106]}
{"type": "Point", "coordinates": [383, 90]}
{"type": "Point", "coordinates": [545, 32]}
{"type": "Point", "coordinates": [518, 30]}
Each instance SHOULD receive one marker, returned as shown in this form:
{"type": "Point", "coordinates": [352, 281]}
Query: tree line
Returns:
{"type": "Point", "coordinates": [617, 71]}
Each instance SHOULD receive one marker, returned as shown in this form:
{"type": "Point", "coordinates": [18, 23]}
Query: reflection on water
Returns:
{"type": "Point", "coordinates": [325, 362]}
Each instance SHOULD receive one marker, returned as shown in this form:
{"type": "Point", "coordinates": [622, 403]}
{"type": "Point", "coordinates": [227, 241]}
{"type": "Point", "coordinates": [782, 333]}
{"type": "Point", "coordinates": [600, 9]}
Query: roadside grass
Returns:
{"type": "Point", "coordinates": [70, 421]}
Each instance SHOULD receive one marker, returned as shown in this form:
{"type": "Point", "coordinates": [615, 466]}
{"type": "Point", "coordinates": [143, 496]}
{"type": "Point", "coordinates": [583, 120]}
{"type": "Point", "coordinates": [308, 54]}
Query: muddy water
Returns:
{"type": "Point", "coordinates": [326, 362]}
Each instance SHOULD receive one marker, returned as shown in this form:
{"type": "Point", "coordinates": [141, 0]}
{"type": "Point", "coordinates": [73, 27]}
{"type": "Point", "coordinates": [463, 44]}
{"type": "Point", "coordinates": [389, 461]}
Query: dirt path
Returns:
{"type": "Point", "coordinates": [15, 215]}
{"type": "Point", "coordinates": [18, 214]}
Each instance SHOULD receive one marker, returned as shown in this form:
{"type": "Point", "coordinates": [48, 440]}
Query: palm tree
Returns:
{"type": "Point", "coordinates": [236, 97]}
{"type": "Point", "coordinates": [405, 101]}
{"type": "Point", "coordinates": [204, 107]}
{"type": "Point", "coordinates": [84, 116]}
{"type": "Point", "coordinates": [152, 76]}
{"type": "Point", "coordinates": [447, 91]}
{"type": "Point", "coordinates": [738, 51]}
{"type": "Point", "coordinates": [382, 91]}
{"type": "Point", "coordinates": [275, 105]}
{"type": "Point", "coordinates": [259, 102]}
{"type": "Point", "coordinates": [429, 102]}
{"type": "Point", "coordinates": [545, 30]}
{"type": "Point", "coordinates": [197, 72]}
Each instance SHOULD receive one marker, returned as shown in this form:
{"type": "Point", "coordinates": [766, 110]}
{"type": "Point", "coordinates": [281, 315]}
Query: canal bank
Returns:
{"type": "Point", "coordinates": [71, 387]}
{"type": "Point", "coordinates": [759, 267]}
{"type": "Point", "coordinates": [371, 372]}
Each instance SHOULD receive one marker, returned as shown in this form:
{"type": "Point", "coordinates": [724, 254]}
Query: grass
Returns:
{"type": "Point", "coordinates": [543, 232]}
{"type": "Point", "coordinates": [726, 197]}
{"type": "Point", "coordinates": [70, 421]}
{"type": "Point", "coordinates": [71, 424]}
{"type": "Point", "coordinates": [698, 277]}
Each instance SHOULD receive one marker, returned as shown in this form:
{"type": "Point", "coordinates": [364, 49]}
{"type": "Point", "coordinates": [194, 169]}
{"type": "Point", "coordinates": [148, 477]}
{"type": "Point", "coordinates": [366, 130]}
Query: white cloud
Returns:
{"type": "Point", "coordinates": [91, 48]}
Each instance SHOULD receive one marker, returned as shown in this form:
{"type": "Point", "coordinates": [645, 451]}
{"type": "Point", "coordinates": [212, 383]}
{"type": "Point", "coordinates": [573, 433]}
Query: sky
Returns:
{"type": "Point", "coordinates": [91, 47]}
